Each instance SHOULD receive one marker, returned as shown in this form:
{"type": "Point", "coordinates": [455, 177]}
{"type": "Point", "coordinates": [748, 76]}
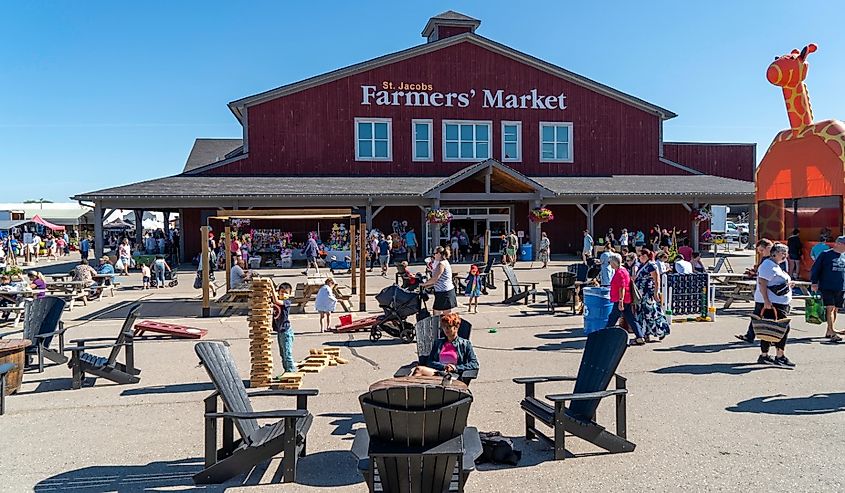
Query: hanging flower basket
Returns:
{"type": "Point", "coordinates": [700, 215]}
{"type": "Point", "coordinates": [438, 216]}
{"type": "Point", "coordinates": [541, 215]}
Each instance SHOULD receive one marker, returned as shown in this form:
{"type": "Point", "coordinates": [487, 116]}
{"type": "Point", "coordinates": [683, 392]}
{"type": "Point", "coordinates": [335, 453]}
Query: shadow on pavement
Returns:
{"type": "Point", "coordinates": [344, 422]}
{"type": "Point", "coordinates": [801, 406]}
{"type": "Point", "coordinates": [166, 474]}
{"type": "Point", "coordinates": [715, 348]}
{"type": "Point", "coordinates": [151, 308]}
{"type": "Point", "coordinates": [715, 368]}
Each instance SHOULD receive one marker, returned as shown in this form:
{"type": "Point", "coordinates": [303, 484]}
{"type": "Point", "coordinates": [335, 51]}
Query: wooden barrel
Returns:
{"type": "Point", "coordinates": [12, 351]}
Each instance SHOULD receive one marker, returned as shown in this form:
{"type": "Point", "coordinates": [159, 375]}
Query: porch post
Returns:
{"type": "Point", "coordinates": [166, 215]}
{"type": "Point", "coordinates": [534, 231]}
{"type": "Point", "coordinates": [752, 224]}
{"type": "Point", "coordinates": [139, 228]}
{"type": "Point", "coordinates": [694, 229]}
{"type": "Point", "coordinates": [591, 214]}
{"type": "Point", "coordinates": [98, 230]}
{"type": "Point", "coordinates": [435, 235]}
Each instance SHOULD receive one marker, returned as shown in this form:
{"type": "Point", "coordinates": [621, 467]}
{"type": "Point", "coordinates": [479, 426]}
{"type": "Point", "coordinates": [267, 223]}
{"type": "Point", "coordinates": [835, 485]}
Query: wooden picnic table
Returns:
{"type": "Point", "coordinates": [59, 277]}
{"type": "Point", "coordinates": [70, 291]}
{"type": "Point", "coordinates": [307, 291]}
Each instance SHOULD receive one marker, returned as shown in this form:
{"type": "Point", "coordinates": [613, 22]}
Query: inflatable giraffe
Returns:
{"type": "Point", "coordinates": [805, 161]}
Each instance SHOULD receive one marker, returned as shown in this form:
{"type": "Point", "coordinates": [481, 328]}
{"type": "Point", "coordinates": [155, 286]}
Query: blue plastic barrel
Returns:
{"type": "Point", "coordinates": [597, 307]}
{"type": "Point", "coordinates": [526, 252]}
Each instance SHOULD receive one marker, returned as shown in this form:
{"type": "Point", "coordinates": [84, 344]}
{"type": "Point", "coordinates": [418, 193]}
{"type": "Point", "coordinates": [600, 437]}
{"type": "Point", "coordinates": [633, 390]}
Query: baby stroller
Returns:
{"type": "Point", "coordinates": [399, 304]}
{"type": "Point", "coordinates": [172, 277]}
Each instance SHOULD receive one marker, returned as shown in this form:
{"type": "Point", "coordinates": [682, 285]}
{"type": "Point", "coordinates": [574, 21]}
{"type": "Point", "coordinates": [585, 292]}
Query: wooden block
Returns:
{"type": "Point", "coordinates": [342, 361]}
{"type": "Point", "coordinates": [332, 362]}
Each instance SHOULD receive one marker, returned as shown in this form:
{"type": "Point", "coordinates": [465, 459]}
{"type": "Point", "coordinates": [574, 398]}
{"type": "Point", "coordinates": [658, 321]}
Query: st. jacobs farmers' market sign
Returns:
{"type": "Point", "coordinates": [422, 94]}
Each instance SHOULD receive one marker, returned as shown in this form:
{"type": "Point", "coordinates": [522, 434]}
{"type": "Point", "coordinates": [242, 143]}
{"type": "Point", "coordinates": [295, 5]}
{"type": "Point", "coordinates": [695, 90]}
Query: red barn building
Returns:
{"type": "Point", "coordinates": [459, 122]}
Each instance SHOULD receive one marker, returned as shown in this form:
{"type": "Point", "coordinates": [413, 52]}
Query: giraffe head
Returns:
{"type": "Point", "coordinates": [790, 70]}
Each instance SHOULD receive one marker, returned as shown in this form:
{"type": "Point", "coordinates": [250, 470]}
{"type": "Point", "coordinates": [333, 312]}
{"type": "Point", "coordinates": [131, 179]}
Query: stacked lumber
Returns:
{"type": "Point", "coordinates": [287, 381]}
{"type": "Point", "coordinates": [321, 358]}
{"type": "Point", "coordinates": [260, 324]}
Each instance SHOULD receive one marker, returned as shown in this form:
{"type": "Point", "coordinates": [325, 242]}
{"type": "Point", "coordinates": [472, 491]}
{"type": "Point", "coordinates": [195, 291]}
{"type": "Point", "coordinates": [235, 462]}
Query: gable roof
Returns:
{"type": "Point", "coordinates": [489, 163]}
{"type": "Point", "coordinates": [207, 151]}
{"type": "Point", "coordinates": [451, 18]}
{"type": "Point", "coordinates": [237, 106]}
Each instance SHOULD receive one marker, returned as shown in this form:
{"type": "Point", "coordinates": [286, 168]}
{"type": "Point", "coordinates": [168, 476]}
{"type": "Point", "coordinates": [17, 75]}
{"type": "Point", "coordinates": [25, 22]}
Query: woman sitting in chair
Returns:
{"type": "Point", "coordinates": [452, 354]}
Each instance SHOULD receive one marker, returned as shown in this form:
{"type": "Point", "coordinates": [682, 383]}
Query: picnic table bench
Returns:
{"type": "Point", "coordinates": [70, 291]}
{"type": "Point", "coordinates": [59, 277]}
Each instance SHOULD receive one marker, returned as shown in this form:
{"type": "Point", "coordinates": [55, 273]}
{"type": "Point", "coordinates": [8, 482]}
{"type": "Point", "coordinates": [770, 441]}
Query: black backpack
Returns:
{"type": "Point", "coordinates": [497, 449]}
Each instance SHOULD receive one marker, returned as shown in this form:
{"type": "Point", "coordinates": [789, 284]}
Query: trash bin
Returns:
{"type": "Point", "coordinates": [597, 307]}
{"type": "Point", "coordinates": [526, 252]}
{"type": "Point", "coordinates": [562, 283]}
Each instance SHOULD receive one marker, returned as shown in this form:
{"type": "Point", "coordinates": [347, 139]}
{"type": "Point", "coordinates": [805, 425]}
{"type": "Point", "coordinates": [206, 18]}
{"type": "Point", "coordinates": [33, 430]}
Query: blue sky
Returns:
{"type": "Point", "coordinates": [99, 94]}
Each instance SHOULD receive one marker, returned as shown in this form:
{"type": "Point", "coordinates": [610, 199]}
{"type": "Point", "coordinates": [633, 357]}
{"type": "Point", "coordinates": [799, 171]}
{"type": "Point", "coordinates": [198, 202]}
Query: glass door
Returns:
{"type": "Point", "coordinates": [498, 227]}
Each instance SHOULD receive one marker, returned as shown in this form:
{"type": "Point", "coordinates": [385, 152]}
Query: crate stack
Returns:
{"type": "Point", "coordinates": [260, 325]}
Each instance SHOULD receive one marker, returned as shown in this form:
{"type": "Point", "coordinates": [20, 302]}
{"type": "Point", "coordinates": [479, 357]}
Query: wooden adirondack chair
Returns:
{"type": "Point", "coordinates": [602, 355]}
{"type": "Point", "coordinates": [488, 280]}
{"type": "Point", "coordinates": [82, 362]}
{"type": "Point", "coordinates": [257, 443]}
{"type": "Point", "coordinates": [427, 330]}
{"type": "Point", "coordinates": [42, 322]}
{"type": "Point", "coordinates": [416, 437]}
{"type": "Point", "coordinates": [518, 290]}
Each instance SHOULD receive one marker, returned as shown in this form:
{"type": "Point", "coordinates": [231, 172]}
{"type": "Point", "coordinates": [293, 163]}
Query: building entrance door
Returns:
{"type": "Point", "coordinates": [476, 221]}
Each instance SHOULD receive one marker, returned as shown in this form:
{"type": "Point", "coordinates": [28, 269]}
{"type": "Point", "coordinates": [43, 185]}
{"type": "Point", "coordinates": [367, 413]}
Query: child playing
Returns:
{"type": "Point", "coordinates": [326, 302]}
{"type": "Point", "coordinates": [281, 324]}
{"type": "Point", "coordinates": [145, 274]}
{"type": "Point", "coordinates": [473, 290]}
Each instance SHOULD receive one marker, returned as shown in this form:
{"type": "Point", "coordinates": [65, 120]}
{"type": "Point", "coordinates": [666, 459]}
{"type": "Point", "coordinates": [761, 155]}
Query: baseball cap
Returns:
{"type": "Point", "coordinates": [840, 239]}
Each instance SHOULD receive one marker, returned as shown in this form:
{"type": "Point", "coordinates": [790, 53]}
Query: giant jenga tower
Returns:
{"type": "Point", "coordinates": [260, 325]}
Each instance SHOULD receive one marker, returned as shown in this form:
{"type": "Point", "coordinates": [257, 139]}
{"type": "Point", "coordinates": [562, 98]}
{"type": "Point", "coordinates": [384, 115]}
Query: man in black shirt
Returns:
{"type": "Point", "coordinates": [828, 277]}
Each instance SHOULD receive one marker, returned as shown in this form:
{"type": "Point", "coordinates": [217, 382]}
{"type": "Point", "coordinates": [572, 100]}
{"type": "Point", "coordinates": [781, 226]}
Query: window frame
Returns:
{"type": "Point", "coordinates": [373, 120]}
{"type": "Point", "coordinates": [518, 158]}
{"type": "Point", "coordinates": [430, 123]}
{"type": "Point", "coordinates": [571, 158]}
{"type": "Point", "coordinates": [459, 159]}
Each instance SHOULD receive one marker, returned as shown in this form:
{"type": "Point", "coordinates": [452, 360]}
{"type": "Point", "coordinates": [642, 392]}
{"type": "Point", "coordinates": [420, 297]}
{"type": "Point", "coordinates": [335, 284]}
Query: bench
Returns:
{"type": "Point", "coordinates": [16, 310]}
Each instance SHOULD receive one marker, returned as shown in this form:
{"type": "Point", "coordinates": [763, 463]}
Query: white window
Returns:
{"type": "Point", "coordinates": [555, 142]}
{"type": "Point", "coordinates": [372, 139]}
{"type": "Point", "coordinates": [511, 141]}
{"type": "Point", "coordinates": [465, 140]}
{"type": "Point", "coordinates": [423, 148]}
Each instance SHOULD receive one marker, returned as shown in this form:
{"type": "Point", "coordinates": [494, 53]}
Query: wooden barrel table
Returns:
{"type": "Point", "coordinates": [12, 351]}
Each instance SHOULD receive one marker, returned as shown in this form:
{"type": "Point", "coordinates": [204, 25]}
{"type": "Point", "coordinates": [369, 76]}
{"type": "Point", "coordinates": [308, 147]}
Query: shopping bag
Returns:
{"type": "Point", "coordinates": [769, 330]}
{"type": "Point", "coordinates": [118, 265]}
{"type": "Point", "coordinates": [814, 310]}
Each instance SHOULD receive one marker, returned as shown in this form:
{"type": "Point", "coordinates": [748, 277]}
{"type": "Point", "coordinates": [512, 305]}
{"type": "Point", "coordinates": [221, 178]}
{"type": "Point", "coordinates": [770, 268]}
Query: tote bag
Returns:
{"type": "Point", "coordinates": [769, 330]}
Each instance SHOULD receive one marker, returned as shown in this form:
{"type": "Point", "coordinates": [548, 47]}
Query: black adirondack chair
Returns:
{"type": "Point", "coordinates": [427, 330]}
{"type": "Point", "coordinates": [43, 322]}
{"type": "Point", "coordinates": [82, 362]}
{"type": "Point", "coordinates": [488, 280]}
{"type": "Point", "coordinates": [5, 368]}
{"type": "Point", "coordinates": [602, 355]}
{"type": "Point", "coordinates": [416, 437]}
{"type": "Point", "coordinates": [516, 291]}
{"type": "Point", "coordinates": [257, 443]}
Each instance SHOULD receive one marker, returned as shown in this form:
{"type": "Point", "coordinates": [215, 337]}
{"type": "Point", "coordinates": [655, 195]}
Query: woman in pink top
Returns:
{"type": "Point", "coordinates": [620, 295]}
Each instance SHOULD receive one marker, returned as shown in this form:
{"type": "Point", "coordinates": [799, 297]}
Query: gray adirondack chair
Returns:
{"type": "Point", "coordinates": [516, 291]}
{"type": "Point", "coordinates": [43, 322]}
{"type": "Point", "coordinates": [83, 362]}
{"type": "Point", "coordinates": [257, 443]}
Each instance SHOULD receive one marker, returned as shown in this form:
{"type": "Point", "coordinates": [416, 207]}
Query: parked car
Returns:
{"type": "Point", "coordinates": [737, 232]}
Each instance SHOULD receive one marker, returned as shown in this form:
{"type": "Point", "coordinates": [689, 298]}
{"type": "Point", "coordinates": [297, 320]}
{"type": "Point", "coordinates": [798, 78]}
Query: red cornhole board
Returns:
{"type": "Point", "coordinates": [357, 326]}
{"type": "Point", "coordinates": [169, 329]}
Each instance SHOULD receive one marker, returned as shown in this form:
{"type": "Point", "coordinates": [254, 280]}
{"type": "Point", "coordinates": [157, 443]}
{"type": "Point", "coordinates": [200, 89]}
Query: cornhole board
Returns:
{"type": "Point", "coordinates": [356, 325]}
{"type": "Point", "coordinates": [174, 330]}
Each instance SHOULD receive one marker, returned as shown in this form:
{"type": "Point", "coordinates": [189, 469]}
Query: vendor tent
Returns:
{"type": "Point", "coordinates": [118, 224]}
{"type": "Point", "coordinates": [47, 224]}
